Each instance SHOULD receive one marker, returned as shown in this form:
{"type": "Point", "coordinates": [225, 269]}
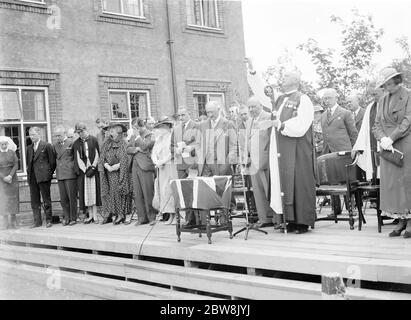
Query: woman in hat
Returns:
{"type": "Point", "coordinates": [9, 184]}
{"type": "Point", "coordinates": [166, 168]}
{"type": "Point", "coordinates": [86, 155]}
{"type": "Point", "coordinates": [115, 179]}
{"type": "Point", "coordinates": [392, 130]}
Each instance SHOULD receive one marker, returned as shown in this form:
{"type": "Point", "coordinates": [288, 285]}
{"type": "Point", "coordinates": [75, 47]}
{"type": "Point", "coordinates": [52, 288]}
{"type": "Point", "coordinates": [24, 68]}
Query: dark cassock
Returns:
{"type": "Point", "coordinates": [86, 154]}
{"type": "Point", "coordinates": [296, 162]}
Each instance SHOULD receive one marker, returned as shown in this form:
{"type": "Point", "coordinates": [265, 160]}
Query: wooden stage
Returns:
{"type": "Point", "coordinates": [128, 262]}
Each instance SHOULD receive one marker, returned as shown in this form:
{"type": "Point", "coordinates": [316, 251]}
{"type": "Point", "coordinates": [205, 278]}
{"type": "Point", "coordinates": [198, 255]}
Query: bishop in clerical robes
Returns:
{"type": "Point", "coordinates": [295, 115]}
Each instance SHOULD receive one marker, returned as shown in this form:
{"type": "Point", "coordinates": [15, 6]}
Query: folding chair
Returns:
{"type": "Point", "coordinates": [337, 176]}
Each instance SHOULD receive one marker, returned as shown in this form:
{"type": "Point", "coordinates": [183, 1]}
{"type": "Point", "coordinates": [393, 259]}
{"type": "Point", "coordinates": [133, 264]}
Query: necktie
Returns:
{"type": "Point", "coordinates": [328, 115]}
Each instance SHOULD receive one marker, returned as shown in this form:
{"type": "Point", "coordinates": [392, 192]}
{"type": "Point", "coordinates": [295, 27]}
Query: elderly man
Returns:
{"type": "Point", "coordinates": [256, 159]}
{"type": "Point", "coordinates": [184, 142]}
{"type": "Point", "coordinates": [294, 120]}
{"type": "Point", "coordinates": [41, 163]}
{"type": "Point", "coordinates": [339, 132]}
{"type": "Point", "coordinates": [150, 122]}
{"type": "Point", "coordinates": [66, 176]}
{"type": "Point", "coordinates": [218, 143]}
{"type": "Point", "coordinates": [338, 125]}
{"type": "Point", "coordinates": [357, 111]}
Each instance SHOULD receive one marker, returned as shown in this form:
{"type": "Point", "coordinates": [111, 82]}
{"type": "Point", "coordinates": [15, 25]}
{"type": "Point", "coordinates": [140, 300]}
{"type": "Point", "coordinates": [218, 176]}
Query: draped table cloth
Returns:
{"type": "Point", "coordinates": [201, 195]}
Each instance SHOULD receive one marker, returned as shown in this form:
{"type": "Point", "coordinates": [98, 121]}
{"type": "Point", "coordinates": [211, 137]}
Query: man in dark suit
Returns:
{"type": "Point", "coordinates": [41, 164]}
{"type": "Point", "coordinates": [66, 176]}
{"type": "Point", "coordinates": [357, 111]}
{"type": "Point", "coordinates": [143, 171]}
{"type": "Point", "coordinates": [339, 131]}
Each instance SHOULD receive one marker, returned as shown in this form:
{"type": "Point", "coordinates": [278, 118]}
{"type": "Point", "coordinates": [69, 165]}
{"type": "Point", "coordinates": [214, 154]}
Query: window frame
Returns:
{"type": "Point", "coordinates": [128, 91]}
{"type": "Point", "coordinates": [208, 93]}
{"type": "Point", "coordinates": [218, 28]}
{"type": "Point", "coordinates": [141, 4]}
{"type": "Point", "coordinates": [22, 123]}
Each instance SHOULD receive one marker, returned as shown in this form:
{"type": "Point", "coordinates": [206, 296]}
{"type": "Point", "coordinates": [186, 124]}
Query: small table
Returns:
{"type": "Point", "coordinates": [201, 195]}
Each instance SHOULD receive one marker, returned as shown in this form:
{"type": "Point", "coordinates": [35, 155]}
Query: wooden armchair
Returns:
{"type": "Point", "coordinates": [337, 176]}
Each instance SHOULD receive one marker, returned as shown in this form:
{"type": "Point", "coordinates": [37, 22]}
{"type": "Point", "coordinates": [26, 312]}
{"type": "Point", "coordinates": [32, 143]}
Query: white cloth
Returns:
{"type": "Point", "coordinates": [298, 126]}
{"type": "Point", "coordinates": [36, 145]}
{"type": "Point", "coordinates": [10, 144]}
{"type": "Point", "coordinates": [364, 143]}
{"type": "Point", "coordinates": [257, 85]}
{"type": "Point", "coordinates": [333, 109]}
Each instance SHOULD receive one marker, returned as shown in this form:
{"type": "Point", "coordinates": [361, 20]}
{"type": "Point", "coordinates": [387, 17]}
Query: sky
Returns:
{"type": "Point", "coordinates": [272, 26]}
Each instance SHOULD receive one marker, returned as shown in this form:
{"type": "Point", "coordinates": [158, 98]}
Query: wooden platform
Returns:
{"type": "Point", "coordinates": [273, 266]}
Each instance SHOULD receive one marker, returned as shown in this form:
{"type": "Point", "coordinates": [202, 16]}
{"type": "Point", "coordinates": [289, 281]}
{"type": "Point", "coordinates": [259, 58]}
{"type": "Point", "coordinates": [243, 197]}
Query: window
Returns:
{"type": "Point", "coordinates": [203, 13]}
{"type": "Point", "coordinates": [201, 99]}
{"type": "Point", "coordinates": [127, 105]}
{"type": "Point", "coordinates": [20, 109]}
{"type": "Point", "coordinates": [132, 8]}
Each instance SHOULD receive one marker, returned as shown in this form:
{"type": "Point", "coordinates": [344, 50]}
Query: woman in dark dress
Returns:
{"type": "Point", "coordinates": [86, 156]}
{"type": "Point", "coordinates": [392, 129]}
{"type": "Point", "coordinates": [9, 184]}
{"type": "Point", "coordinates": [115, 177]}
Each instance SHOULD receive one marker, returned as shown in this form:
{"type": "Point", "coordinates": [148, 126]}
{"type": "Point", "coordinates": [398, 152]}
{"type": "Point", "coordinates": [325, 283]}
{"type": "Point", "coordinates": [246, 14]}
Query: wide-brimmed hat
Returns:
{"type": "Point", "coordinates": [164, 120]}
{"type": "Point", "coordinates": [117, 124]}
{"type": "Point", "coordinates": [385, 75]}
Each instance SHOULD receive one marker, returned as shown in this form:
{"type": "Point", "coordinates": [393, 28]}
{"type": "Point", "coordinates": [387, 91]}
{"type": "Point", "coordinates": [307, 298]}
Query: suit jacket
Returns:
{"type": "Point", "coordinates": [224, 143]}
{"type": "Point", "coordinates": [190, 136]}
{"type": "Point", "coordinates": [257, 143]}
{"type": "Point", "coordinates": [64, 161]}
{"type": "Point", "coordinates": [340, 132]}
{"type": "Point", "coordinates": [359, 118]}
{"type": "Point", "coordinates": [142, 158]}
{"type": "Point", "coordinates": [41, 163]}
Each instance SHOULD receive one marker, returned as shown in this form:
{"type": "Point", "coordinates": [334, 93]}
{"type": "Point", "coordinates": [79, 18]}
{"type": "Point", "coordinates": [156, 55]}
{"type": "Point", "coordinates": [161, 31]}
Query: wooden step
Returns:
{"type": "Point", "coordinates": [93, 285]}
{"type": "Point", "coordinates": [218, 282]}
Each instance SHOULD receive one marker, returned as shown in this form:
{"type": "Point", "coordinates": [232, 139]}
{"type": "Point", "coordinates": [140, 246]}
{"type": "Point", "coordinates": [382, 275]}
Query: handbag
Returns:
{"type": "Point", "coordinates": [396, 157]}
{"type": "Point", "coordinates": [91, 171]}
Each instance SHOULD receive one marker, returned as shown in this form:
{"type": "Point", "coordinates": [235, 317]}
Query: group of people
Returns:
{"type": "Point", "coordinates": [123, 168]}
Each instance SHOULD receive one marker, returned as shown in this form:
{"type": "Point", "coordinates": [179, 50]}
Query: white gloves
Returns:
{"type": "Point", "coordinates": [386, 143]}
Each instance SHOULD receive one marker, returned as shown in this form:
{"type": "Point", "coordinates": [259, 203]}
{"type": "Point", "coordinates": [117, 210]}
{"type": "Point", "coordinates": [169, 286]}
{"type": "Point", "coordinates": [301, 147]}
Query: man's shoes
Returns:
{"type": "Point", "coordinates": [395, 233]}
{"type": "Point", "coordinates": [153, 222]}
{"type": "Point", "coordinates": [35, 226]}
{"type": "Point", "coordinates": [395, 221]}
{"type": "Point", "coordinates": [301, 229]}
{"type": "Point", "coordinates": [291, 227]}
{"type": "Point", "coordinates": [49, 225]}
{"type": "Point", "coordinates": [72, 223]}
{"type": "Point", "coordinates": [65, 223]}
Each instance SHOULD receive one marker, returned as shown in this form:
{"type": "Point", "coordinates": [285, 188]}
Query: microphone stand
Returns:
{"type": "Point", "coordinates": [248, 226]}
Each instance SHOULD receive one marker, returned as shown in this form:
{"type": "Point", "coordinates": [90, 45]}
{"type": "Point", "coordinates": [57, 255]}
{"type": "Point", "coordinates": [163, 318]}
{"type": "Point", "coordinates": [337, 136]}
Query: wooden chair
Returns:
{"type": "Point", "coordinates": [337, 176]}
{"type": "Point", "coordinates": [371, 190]}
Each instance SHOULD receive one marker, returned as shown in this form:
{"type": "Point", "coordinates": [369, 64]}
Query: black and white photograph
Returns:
{"type": "Point", "coordinates": [223, 151]}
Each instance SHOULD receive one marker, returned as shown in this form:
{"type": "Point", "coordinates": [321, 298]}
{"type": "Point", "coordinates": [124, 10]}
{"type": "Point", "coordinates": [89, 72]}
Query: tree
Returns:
{"type": "Point", "coordinates": [404, 65]}
{"type": "Point", "coordinates": [360, 41]}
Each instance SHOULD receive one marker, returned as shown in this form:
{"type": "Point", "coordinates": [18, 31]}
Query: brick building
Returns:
{"type": "Point", "coordinates": [62, 61]}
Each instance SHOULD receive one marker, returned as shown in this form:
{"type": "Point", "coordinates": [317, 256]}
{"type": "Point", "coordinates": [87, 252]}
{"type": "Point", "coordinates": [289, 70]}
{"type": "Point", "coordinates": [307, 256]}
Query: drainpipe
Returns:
{"type": "Point", "coordinates": [170, 42]}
